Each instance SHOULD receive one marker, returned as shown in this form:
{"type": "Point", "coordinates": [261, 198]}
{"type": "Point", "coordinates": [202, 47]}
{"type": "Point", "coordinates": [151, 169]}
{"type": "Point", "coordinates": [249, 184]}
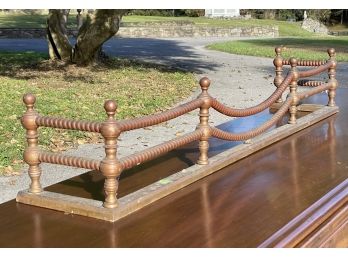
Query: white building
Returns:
{"type": "Point", "coordinates": [211, 13]}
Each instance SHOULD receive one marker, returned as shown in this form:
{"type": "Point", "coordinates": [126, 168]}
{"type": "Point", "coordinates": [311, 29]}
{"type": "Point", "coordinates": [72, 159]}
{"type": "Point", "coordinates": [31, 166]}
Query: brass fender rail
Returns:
{"type": "Point", "coordinates": [279, 62]}
{"type": "Point", "coordinates": [111, 167]}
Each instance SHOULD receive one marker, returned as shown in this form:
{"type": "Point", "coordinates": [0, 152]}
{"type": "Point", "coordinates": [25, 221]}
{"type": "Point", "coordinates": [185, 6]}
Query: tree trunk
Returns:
{"type": "Point", "coordinates": [58, 42]}
{"type": "Point", "coordinates": [99, 26]}
{"type": "Point", "coordinates": [79, 19]}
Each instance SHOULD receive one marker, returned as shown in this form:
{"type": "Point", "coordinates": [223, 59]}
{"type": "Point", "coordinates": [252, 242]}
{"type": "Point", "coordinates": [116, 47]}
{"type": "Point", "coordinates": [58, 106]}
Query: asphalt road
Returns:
{"type": "Point", "coordinates": [179, 53]}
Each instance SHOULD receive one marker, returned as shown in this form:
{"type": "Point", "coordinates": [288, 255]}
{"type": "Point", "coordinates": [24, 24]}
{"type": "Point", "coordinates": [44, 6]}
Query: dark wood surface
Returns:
{"type": "Point", "coordinates": [240, 206]}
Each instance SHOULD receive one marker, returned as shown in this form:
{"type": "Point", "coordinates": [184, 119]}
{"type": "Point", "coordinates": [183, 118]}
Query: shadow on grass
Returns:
{"type": "Point", "coordinates": [31, 65]}
{"type": "Point", "coordinates": [28, 56]}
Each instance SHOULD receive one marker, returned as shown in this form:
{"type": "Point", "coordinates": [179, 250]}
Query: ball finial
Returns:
{"type": "Point", "coordinates": [110, 107]}
{"type": "Point", "coordinates": [29, 100]}
{"type": "Point", "coordinates": [293, 62]}
{"type": "Point", "coordinates": [278, 50]}
{"type": "Point", "coordinates": [204, 83]}
{"type": "Point", "coordinates": [331, 52]}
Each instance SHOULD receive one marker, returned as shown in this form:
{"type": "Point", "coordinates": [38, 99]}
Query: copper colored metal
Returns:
{"type": "Point", "coordinates": [332, 77]}
{"type": "Point", "coordinates": [31, 153]}
{"type": "Point", "coordinates": [153, 152]}
{"type": "Point", "coordinates": [293, 91]}
{"type": "Point", "coordinates": [309, 63]}
{"type": "Point", "coordinates": [68, 124]}
{"type": "Point", "coordinates": [110, 165]}
{"type": "Point", "coordinates": [278, 64]}
{"type": "Point", "coordinates": [257, 131]}
{"type": "Point", "coordinates": [150, 120]}
{"type": "Point", "coordinates": [275, 118]}
{"type": "Point", "coordinates": [309, 83]}
{"type": "Point", "coordinates": [255, 109]}
{"type": "Point", "coordinates": [314, 91]}
{"type": "Point", "coordinates": [204, 122]}
{"type": "Point", "coordinates": [79, 162]}
{"type": "Point", "coordinates": [316, 71]}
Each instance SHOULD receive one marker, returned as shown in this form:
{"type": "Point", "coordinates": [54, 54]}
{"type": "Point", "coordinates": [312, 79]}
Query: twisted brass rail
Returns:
{"type": "Point", "coordinates": [153, 152]}
{"type": "Point", "coordinates": [151, 120]}
{"type": "Point", "coordinates": [268, 124]}
{"type": "Point", "coordinates": [315, 90]}
{"type": "Point", "coordinates": [73, 161]}
{"type": "Point", "coordinates": [311, 63]}
{"type": "Point", "coordinates": [68, 124]}
{"type": "Point", "coordinates": [309, 83]}
{"type": "Point", "coordinates": [257, 131]}
{"type": "Point", "coordinates": [316, 71]}
{"type": "Point", "coordinates": [255, 109]}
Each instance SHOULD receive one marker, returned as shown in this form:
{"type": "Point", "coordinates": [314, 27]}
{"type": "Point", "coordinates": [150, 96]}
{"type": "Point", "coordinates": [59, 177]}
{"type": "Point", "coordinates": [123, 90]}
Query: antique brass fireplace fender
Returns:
{"type": "Point", "coordinates": [111, 167]}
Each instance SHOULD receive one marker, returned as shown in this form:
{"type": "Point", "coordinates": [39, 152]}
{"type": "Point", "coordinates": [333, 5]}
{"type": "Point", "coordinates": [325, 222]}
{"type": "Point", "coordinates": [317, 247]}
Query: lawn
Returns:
{"type": "Point", "coordinates": [303, 48]}
{"type": "Point", "coordinates": [293, 29]}
{"type": "Point", "coordinates": [22, 20]}
{"type": "Point", "coordinates": [78, 93]}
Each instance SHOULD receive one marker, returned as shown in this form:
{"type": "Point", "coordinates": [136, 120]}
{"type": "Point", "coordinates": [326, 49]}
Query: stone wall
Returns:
{"type": "Point", "coordinates": [165, 31]}
{"type": "Point", "coordinates": [197, 31]}
{"type": "Point", "coordinates": [314, 26]}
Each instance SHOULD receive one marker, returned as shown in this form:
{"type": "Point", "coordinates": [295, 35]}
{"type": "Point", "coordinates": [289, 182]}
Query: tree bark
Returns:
{"type": "Point", "coordinates": [99, 26]}
{"type": "Point", "coordinates": [58, 42]}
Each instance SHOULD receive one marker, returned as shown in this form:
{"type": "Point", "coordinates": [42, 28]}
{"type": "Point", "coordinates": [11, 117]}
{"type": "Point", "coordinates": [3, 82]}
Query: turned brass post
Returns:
{"type": "Point", "coordinates": [293, 91]}
{"type": "Point", "coordinates": [278, 64]}
{"type": "Point", "coordinates": [110, 166]}
{"type": "Point", "coordinates": [332, 77]}
{"type": "Point", "coordinates": [204, 121]}
{"type": "Point", "coordinates": [31, 153]}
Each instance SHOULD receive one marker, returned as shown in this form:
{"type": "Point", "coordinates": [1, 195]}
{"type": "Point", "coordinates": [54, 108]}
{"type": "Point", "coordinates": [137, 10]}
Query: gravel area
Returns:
{"type": "Point", "coordinates": [237, 81]}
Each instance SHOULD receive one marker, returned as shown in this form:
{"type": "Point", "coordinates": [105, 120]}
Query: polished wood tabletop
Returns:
{"type": "Point", "coordinates": [239, 206]}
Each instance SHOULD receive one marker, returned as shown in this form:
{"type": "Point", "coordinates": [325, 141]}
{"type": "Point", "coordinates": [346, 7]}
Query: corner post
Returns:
{"type": "Point", "coordinates": [204, 121]}
{"type": "Point", "coordinates": [332, 77]}
{"type": "Point", "coordinates": [293, 91]}
{"type": "Point", "coordinates": [110, 166]}
{"type": "Point", "coordinates": [278, 64]}
{"type": "Point", "coordinates": [31, 153]}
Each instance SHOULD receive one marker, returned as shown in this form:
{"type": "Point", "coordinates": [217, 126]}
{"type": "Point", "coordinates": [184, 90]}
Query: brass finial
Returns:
{"type": "Point", "coordinates": [29, 100]}
{"type": "Point", "coordinates": [110, 107]}
{"type": "Point", "coordinates": [293, 62]}
{"type": "Point", "coordinates": [278, 50]}
{"type": "Point", "coordinates": [204, 83]}
{"type": "Point", "coordinates": [331, 52]}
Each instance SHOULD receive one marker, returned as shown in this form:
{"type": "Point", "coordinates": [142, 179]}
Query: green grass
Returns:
{"type": "Point", "coordinates": [339, 27]}
{"type": "Point", "coordinates": [20, 20]}
{"type": "Point", "coordinates": [78, 93]}
{"type": "Point", "coordinates": [303, 48]}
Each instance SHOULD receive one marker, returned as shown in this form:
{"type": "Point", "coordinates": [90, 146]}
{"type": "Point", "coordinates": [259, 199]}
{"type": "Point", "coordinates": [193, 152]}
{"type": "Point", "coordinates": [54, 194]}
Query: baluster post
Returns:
{"type": "Point", "coordinates": [278, 64]}
{"type": "Point", "coordinates": [204, 121]}
{"type": "Point", "coordinates": [332, 77]}
{"type": "Point", "coordinates": [110, 165]}
{"type": "Point", "coordinates": [31, 153]}
{"type": "Point", "coordinates": [293, 91]}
